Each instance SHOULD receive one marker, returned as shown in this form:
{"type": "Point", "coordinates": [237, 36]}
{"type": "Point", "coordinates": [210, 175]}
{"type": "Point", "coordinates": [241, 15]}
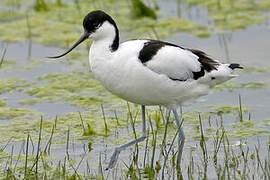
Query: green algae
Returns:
{"type": "Point", "coordinates": [193, 117]}
{"type": "Point", "coordinates": [40, 5]}
{"type": "Point", "coordinates": [76, 88]}
{"type": "Point", "coordinates": [248, 85]}
{"type": "Point", "coordinates": [244, 124]}
{"type": "Point", "coordinates": [202, 33]}
{"type": "Point", "coordinates": [248, 129]}
{"type": "Point", "coordinates": [17, 31]}
{"type": "Point", "coordinates": [263, 5]}
{"type": "Point", "coordinates": [247, 132]}
{"type": "Point", "coordinates": [2, 104]}
{"type": "Point", "coordinates": [238, 20]}
{"type": "Point", "coordinates": [13, 32]}
{"type": "Point", "coordinates": [84, 101]}
{"type": "Point", "coordinates": [18, 129]}
{"type": "Point", "coordinates": [29, 101]}
{"type": "Point", "coordinates": [173, 25]}
{"type": "Point", "coordinates": [75, 55]}
{"type": "Point", "coordinates": [3, 157]}
{"type": "Point", "coordinates": [234, 130]}
{"type": "Point", "coordinates": [266, 122]}
{"type": "Point", "coordinates": [11, 113]}
{"type": "Point", "coordinates": [220, 110]}
{"type": "Point", "coordinates": [253, 85]}
{"type": "Point", "coordinates": [33, 64]}
{"type": "Point", "coordinates": [10, 84]}
{"type": "Point", "coordinates": [139, 9]}
{"type": "Point", "coordinates": [8, 65]}
{"type": "Point", "coordinates": [256, 70]}
{"type": "Point", "coordinates": [8, 3]}
{"type": "Point", "coordinates": [89, 131]}
{"type": "Point", "coordinates": [8, 15]}
{"type": "Point", "coordinates": [226, 86]}
{"type": "Point", "coordinates": [93, 120]}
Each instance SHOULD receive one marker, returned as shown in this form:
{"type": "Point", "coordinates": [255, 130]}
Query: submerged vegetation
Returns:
{"type": "Point", "coordinates": [11, 84]}
{"type": "Point", "coordinates": [139, 9]}
{"type": "Point", "coordinates": [74, 88]}
{"type": "Point", "coordinates": [7, 113]}
{"type": "Point", "coordinates": [225, 141]}
{"type": "Point", "coordinates": [227, 159]}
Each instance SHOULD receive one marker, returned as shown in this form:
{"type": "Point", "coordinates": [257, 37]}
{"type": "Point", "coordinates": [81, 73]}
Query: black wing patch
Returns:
{"type": "Point", "coordinates": [150, 49]}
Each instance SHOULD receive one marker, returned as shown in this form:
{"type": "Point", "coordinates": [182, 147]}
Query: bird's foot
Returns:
{"type": "Point", "coordinates": [114, 159]}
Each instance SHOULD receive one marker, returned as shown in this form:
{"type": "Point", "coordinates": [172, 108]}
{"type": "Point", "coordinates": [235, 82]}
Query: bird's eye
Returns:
{"type": "Point", "coordinates": [213, 78]}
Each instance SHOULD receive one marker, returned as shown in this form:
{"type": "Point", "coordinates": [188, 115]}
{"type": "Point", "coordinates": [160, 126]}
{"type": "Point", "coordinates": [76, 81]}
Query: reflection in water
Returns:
{"type": "Point", "coordinates": [29, 37]}
{"type": "Point", "coordinates": [29, 52]}
{"type": "Point", "coordinates": [179, 2]}
{"type": "Point", "coordinates": [223, 40]}
{"type": "Point", "coordinates": [3, 54]}
{"type": "Point", "coordinates": [267, 22]}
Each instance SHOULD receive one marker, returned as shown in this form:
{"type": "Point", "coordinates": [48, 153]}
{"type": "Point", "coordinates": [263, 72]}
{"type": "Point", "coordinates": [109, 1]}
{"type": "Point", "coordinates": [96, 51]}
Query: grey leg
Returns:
{"type": "Point", "coordinates": [124, 146]}
{"type": "Point", "coordinates": [181, 136]}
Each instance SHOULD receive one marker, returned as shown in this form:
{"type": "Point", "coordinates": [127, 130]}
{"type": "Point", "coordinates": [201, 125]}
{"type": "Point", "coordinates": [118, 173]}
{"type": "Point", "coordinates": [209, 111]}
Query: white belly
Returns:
{"type": "Point", "coordinates": [132, 81]}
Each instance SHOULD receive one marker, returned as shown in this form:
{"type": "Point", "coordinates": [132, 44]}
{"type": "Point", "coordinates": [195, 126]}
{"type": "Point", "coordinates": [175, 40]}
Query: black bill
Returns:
{"type": "Point", "coordinates": [83, 37]}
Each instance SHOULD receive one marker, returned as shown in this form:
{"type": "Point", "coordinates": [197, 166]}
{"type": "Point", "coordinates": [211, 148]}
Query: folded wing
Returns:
{"type": "Point", "coordinates": [176, 62]}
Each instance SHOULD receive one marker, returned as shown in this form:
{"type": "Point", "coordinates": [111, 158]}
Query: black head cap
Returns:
{"type": "Point", "coordinates": [93, 20]}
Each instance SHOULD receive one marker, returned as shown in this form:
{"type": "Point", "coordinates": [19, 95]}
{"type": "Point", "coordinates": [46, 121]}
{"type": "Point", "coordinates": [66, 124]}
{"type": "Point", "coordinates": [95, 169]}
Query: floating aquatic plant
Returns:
{"type": "Point", "coordinates": [7, 113]}
{"type": "Point", "coordinates": [139, 9]}
{"type": "Point", "coordinates": [40, 5]}
{"type": "Point", "coordinates": [11, 84]}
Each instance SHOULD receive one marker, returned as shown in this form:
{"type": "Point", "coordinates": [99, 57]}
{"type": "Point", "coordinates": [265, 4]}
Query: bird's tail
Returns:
{"type": "Point", "coordinates": [223, 73]}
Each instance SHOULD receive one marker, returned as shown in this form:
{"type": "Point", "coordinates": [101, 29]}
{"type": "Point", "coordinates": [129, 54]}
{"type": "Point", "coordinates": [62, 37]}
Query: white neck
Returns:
{"type": "Point", "coordinates": [103, 39]}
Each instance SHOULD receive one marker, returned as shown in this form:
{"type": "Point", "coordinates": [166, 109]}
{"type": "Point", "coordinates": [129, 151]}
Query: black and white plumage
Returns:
{"type": "Point", "coordinates": [151, 48]}
{"type": "Point", "coordinates": [148, 72]}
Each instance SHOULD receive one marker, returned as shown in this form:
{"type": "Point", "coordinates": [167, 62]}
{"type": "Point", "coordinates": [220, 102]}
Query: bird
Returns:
{"type": "Point", "coordinates": [149, 72]}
